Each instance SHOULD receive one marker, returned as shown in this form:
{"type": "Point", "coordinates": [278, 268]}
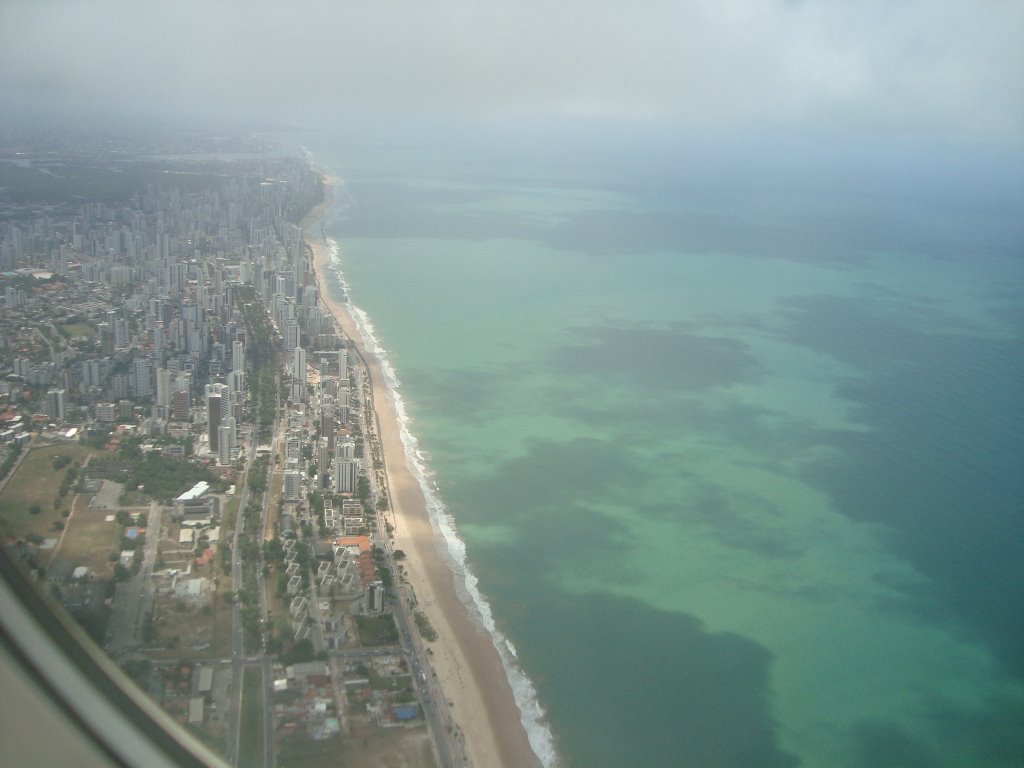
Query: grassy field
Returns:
{"type": "Point", "coordinates": [276, 490]}
{"type": "Point", "coordinates": [36, 483]}
{"type": "Point", "coordinates": [77, 329]}
{"type": "Point", "coordinates": [250, 750]}
{"type": "Point", "coordinates": [89, 539]}
{"type": "Point", "coordinates": [377, 630]}
{"type": "Point", "coordinates": [384, 747]}
{"type": "Point", "coordinates": [222, 619]}
{"type": "Point", "coordinates": [227, 518]}
{"type": "Point", "coordinates": [297, 751]}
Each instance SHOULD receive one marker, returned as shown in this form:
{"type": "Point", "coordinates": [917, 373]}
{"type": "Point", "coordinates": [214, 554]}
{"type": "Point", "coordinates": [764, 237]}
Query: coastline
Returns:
{"type": "Point", "coordinates": [468, 668]}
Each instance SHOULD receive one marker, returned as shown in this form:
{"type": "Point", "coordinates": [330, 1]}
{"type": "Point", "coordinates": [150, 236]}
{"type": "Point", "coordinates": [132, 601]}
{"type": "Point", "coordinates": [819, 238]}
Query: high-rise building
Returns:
{"type": "Point", "coordinates": [92, 374]}
{"type": "Point", "coordinates": [235, 381]}
{"type": "Point", "coordinates": [163, 387]}
{"type": "Point", "coordinates": [323, 461]}
{"type": "Point", "coordinates": [55, 404]}
{"type": "Point", "coordinates": [292, 485]}
{"type": "Point", "coordinates": [180, 405]}
{"type": "Point", "coordinates": [290, 334]}
{"type": "Point", "coordinates": [328, 428]}
{"type": "Point", "coordinates": [142, 377]}
{"type": "Point", "coordinates": [238, 356]}
{"type": "Point", "coordinates": [346, 475]}
{"type": "Point", "coordinates": [374, 597]}
{"type": "Point", "coordinates": [345, 449]}
{"type": "Point", "coordinates": [226, 440]}
{"type": "Point", "coordinates": [215, 393]}
{"type": "Point", "coordinates": [299, 375]}
{"type": "Point", "coordinates": [120, 326]}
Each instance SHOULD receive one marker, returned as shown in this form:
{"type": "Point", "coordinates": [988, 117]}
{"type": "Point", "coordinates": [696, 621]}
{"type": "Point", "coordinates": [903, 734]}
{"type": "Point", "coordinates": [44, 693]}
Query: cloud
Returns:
{"type": "Point", "coordinates": [944, 67]}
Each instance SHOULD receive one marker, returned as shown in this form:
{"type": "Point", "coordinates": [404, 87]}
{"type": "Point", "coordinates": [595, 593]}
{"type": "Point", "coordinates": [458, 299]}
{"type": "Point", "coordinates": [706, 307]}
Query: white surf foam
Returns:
{"type": "Point", "coordinates": [454, 552]}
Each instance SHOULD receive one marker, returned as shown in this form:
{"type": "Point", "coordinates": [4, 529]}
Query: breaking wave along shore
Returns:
{"type": "Point", "coordinates": [454, 549]}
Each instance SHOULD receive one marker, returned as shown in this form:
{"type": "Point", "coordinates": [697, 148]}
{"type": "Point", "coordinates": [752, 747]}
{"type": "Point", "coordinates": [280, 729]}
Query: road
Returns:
{"type": "Point", "coordinates": [267, 662]}
{"type": "Point", "coordinates": [134, 596]}
{"type": "Point", "coordinates": [238, 651]}
{"type": "Point", "coordinates": [237, 646]}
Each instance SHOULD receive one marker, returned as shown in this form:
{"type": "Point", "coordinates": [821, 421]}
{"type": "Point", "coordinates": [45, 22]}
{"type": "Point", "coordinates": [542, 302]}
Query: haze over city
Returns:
{"type": "Point", "coordinates": [933, 69]}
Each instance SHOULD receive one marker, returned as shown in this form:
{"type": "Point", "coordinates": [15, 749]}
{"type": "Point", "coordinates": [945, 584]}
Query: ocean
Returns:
{"type": "Point", "coordinates": [726, 433]}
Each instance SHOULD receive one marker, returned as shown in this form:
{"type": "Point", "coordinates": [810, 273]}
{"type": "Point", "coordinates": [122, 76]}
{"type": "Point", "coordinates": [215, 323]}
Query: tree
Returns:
{"type": "Point", "coordinates": [301, 652]}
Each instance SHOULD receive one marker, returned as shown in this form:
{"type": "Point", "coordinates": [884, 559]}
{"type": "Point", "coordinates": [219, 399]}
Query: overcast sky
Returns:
{"type": "Point", "coordinates": [924, 67]}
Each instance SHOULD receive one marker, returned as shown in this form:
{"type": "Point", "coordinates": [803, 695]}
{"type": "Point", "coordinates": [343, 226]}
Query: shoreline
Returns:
{"type": "Point", "coordinates": [488, 722]}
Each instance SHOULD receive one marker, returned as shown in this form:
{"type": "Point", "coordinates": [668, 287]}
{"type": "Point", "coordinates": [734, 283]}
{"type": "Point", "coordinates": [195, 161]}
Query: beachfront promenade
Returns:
{"type": "Point", "coordinates": [449, 747]}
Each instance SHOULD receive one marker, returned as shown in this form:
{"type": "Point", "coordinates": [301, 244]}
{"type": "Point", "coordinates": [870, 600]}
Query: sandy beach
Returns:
{"type": "Point", "coordinates": [463, 657]}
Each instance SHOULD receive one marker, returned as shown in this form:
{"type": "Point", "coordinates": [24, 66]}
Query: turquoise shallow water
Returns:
{"type": "Point", "coordinates": [739, 478]}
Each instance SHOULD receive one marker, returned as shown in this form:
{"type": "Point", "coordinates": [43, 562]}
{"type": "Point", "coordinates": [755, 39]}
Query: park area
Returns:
{"type": "Point", "coordinates": [37, 498]}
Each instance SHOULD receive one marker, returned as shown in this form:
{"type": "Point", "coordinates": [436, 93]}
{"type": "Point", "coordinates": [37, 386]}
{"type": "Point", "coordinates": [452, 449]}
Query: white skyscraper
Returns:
{"type": "Point", "coordinates": [142, 373]}
{"type": "Point", "coordinates": [299, 375]}
{"type": "Point", "coordinates": [214, 395]}
{"type": "Point", "coordinates": [238, 356]}
{"type": "Point", "coordinates": [227, 439]}
{"type": "Point", "coordinates": [346, 475]}
{"type": "Point", "coordinates": [345, 467]}
{"type": "Point", "coordinates": [236, 381]}
{"type": "Point", "coordinates": [163, 387]}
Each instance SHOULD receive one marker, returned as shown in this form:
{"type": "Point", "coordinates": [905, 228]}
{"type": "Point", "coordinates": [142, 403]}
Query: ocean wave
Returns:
{"type": "Point", "coordinates": [454, 552]}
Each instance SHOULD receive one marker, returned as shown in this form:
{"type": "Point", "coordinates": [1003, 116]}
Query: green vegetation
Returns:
{"type": "Point", "coordinates": [302, 651]}
{"type": "Point", "coordinates": [296, 750]}
{"type": "Point", "coordinates": [159, 477]}
{"type": "Point", "coordinates": [377, 630]}
{"type": "Point", "coordinates": [287, 696]}
{"type": "Point", "coordinates": [427, 631]}
{"type": "Point", "coordinates": [363, 488]}
{"type": "Point", "coordinates": [273, 551]}
{"type": "Point", "coordinates": [71, 182]}
{"type": "Point", "coordinates": [65, 484]}
{"type": "Point", "coordinates": [263, 355]}
{"type": "Point", "coordinates": [70, 330]}
{"type": "Point", "coordinates": [250, 750]}
{"type": "Point", "coordinates": [13, 452]}
{"type": "Point", "coordinates": [257, 480]}
{"type": "Point", "coordinates": [38, 485]}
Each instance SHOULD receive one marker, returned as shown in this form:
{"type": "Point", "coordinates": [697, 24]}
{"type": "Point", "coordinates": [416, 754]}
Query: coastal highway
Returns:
{"type": "Point", "coordinates": [449, 749]}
